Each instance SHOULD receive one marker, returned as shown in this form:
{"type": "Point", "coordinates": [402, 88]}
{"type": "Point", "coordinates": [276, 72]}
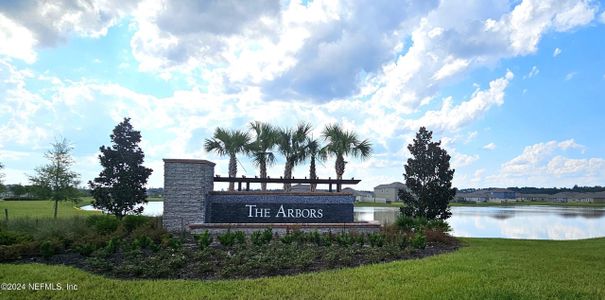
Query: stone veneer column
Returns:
{"type": "Point", "coordinates": [186, 186]}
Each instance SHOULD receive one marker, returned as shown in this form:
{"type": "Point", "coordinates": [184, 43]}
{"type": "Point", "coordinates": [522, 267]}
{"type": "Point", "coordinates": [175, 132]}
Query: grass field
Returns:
{"type": "Point", "coordinates": [43, 209]}
{"type": "Point", "coordinates": [484, 268]}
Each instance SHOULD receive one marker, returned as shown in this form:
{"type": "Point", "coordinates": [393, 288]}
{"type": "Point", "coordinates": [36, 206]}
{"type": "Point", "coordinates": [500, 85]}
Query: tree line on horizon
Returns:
{"type": "Point", "coordinates": [262, 141]}
{"type": "Point", "coordinates": [530, 190]}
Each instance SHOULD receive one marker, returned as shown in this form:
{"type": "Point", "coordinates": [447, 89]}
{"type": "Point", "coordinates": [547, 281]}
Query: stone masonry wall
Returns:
{"type": "Point", "coordinates": [187, 183]}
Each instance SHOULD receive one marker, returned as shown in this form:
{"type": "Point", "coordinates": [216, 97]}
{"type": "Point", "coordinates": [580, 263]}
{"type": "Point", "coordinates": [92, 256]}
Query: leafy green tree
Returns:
{"type": "Point", "coordinates": [120, 186]}
{"type": "Point", "coordinates": [260, 149]}
{"type": "Point", "coordinates": [18, 190]}
{"type": "Point", "coordinates": [293, 146]}
{"type": "Point", "coordinates": [228, 143]}
{"type": "Point", "coordinates": [315, 153]}
{"type": "Point", "coordinates": [1, 178]}
{"type": "Point", "coordinates": [429, 179]}
{"type": "Point", "coordinates": [342, 143]}
{"type": "Point", "coordinates": [56, 180]}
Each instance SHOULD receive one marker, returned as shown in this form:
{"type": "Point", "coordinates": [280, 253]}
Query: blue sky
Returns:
{"type": "Point", "coordinates": [514, 89]}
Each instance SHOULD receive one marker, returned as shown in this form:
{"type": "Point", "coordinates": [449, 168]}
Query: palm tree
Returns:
{"type": "Point", "coordinates": [292, 145]}
{"type": "Point", "coordinates": [315, 153]}
{"type": "Point", "coordinates": [260, 149]}
{"type": "Point", "coordinates": [228, 142]}
{"type": "Point", "coordinates": [342, 143]}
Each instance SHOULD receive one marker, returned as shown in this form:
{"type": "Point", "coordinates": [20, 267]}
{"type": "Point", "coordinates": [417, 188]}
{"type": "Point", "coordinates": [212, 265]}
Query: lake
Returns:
{"type": "Point", "coordinates": [517, 222]}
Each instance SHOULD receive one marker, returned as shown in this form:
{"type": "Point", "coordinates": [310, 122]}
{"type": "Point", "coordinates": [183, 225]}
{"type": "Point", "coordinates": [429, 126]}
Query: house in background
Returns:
{"type": "Point", "coordinates": [360, 196]}
{"type": "Point", "coordinates": [487, 195]}
{"type": "Point", "coordinates": [300, 188]}
{"type": "Point", "coordinates": [475, 196]}
{"type": "Point", "coordinates": [384, 193]}
{"type": "Point", "coordinates": [502, 195]}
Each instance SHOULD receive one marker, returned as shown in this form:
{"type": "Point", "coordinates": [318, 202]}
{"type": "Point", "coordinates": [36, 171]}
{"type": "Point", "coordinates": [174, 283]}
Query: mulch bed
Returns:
{"type": "Point", "coordinates": [191, 269]}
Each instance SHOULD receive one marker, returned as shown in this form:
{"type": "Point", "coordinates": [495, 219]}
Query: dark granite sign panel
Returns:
{"type": "Point", "coordinates": [279, 208]}
{"type": "Point", "coordinates": [281, 213]}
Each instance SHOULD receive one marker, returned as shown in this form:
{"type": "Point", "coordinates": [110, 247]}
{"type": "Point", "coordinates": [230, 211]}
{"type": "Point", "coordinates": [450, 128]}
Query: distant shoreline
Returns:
{"type": "Point", "coordinates": [490, 204]}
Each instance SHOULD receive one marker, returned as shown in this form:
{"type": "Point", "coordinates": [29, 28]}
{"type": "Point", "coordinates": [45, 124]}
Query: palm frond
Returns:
{"type": "Point", "coordinates": [226, 142]}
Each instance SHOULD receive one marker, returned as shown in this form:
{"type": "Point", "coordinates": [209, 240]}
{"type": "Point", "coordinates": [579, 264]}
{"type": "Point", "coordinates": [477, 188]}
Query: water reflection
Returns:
{"type": "Point", "coordinates": [519, 222]}
{"type": "Point", "coordinates": [384, 215]}
{"type": "Point", "coordinates": [150, 209]}
{"type": "Point", "coordinates": [529, 222]}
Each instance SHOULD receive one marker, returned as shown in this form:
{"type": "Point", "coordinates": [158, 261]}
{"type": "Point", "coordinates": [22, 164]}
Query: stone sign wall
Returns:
{"type": "Point", "coordinates": [189, 199]}
{"type": "Point", "coordinates": [186, 186]}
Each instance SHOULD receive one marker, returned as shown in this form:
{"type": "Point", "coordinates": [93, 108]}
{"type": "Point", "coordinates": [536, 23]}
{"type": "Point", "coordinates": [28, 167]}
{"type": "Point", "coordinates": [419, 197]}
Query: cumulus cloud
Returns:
{"type": "Point", "coordinates": [570, 75]}
{"type": "Point", "coordinates": [560, 165]}
{"type": "Point", "coordinates": [525, 25]}
{"type": "Point", "coordinates": [460, 160]}
{"type": "Point", "coordinates": [16, 41]}
{"type": "Point", "coordinates": [335, 56]}
{"type": "Point", "coordinates": [549, 164]}
{"type": "Point", "coordinates": [452, 117]}
{"type": "Point", "coordinates": [19, 107]}
{"type": "Point", "coordinates": [534, 154]}
{"type": "Point", "coordinates": [177, 33]}
{"type": "Point", "coordinates": [490, 146]}
{"type": "Point", "coordinates": [395, 54]}
{"type": "Point", "coordinates": [451, 68]}
{"type": "Point", "coordinates": [374, 68]}
{"type": "Point", "coordinates": [51, 22]}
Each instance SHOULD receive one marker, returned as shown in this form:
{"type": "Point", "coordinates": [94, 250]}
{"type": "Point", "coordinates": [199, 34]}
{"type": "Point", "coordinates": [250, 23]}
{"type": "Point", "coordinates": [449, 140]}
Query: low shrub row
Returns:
{"type": "Point", "coordinates": [138, 247]}
{"type": "Point", "coordinates": [24, 238]}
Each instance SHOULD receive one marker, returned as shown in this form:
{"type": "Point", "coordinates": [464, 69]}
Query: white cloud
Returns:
{"type": "Point", "coordinates": [570, 75]}
{"type": "Point", "coordinates": [602, 17]}
{"type": "Point", "coordinates": [460, 160]}
{"type": "Point", "coordinates": [556, 52]}
{"type": "Point", "coordinates": [16, 41]}
{"type": "Point", "coordinates": [533, 72]}
{"type": "Point", "coordinates": [374, 68]}
{"type": "Point", "coordinates": [548, 164]}
{"type": "Point", "coordinates": [19, 107]}
{"type": "Point", "coordinates": [451, 117]}
{"type": "Point", "coordinates": [451, 68]}
{"type": "Point", "coordinates": [560, 165]}
{"type": "Point", "coordinates": [51, 22]}
{"type": "Point", "coordinates": [524, 26]}
{"type": "Point", "coordinates": [571, 144]}
{"type": "Point", "coordinates": [26, 25]}
{"type": "Point", "coordinates": [490, 146]}
{"type": "Point", "coordinates": [530, 157]}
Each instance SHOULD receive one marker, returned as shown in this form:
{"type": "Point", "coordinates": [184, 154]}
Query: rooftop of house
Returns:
{"type": "Point", "coordinates": [396, 185]}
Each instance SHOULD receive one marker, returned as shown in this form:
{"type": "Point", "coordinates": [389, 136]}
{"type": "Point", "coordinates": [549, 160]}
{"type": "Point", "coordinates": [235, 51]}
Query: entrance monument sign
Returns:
{"type": "Point", "coordinates": [190, 202]}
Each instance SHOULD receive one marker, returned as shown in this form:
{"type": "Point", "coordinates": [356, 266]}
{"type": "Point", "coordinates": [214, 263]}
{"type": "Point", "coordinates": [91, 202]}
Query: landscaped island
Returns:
{"type": "Point", "coordinates": [139, 247]}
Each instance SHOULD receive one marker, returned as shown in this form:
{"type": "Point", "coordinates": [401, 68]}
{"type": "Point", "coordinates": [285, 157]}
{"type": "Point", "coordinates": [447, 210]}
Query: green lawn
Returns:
{"type": "Point", "coordinates": [483, 269]}
{"type": "Point", "coordinates": [43, 209]}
